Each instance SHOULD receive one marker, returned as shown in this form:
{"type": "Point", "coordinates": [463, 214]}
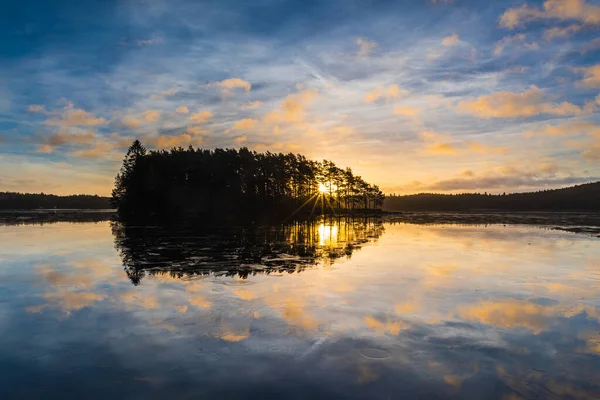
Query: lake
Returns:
{"type": "Point", "coordinates": [335, 308]}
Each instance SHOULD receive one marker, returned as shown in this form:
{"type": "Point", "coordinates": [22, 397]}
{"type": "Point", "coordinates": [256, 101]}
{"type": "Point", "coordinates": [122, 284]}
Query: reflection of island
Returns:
{"type": "Point", "coordinates": [240, 251]}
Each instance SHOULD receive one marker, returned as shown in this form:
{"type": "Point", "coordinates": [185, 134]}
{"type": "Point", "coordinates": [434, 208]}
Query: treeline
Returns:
{"type": "Point", "coordinates": [33, 201]}
{"type": "Point", "coordinates": [233, 183]}
{"type": "Point", "coordinates": [576, 198]}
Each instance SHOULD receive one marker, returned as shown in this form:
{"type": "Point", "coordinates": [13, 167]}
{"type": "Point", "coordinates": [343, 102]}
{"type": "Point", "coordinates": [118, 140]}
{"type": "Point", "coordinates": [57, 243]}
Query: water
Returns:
{"type": "Point", "coordinates": [333, 309]}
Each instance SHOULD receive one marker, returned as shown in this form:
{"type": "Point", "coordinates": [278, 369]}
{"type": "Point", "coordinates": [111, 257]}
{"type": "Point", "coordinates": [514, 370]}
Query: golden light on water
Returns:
{"type": "Point", "coordinates": [328, 234]}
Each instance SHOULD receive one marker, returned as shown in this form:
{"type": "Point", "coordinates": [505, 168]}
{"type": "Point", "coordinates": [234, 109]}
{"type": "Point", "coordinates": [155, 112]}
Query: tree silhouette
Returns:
{"type": "Point", "coordinates": [229, 183]}
{"type": "Point", "coordinates": [580, 197]}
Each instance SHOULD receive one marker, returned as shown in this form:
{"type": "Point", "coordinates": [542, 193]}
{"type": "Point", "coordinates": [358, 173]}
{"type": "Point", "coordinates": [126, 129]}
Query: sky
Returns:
{"type": "Point", "coordinates": [415, 95]}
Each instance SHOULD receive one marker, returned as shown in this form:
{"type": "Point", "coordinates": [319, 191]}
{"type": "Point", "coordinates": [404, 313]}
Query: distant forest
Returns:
{"type": "Point", "coordinates": [33, 201]}
{"type": "Point", "coordinates": [576, 198]}
{"type": "Point", "coordinates": [229, 183]}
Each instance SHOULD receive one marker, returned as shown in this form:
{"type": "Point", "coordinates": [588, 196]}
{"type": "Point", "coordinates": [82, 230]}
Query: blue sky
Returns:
{"type": "Point", "coordinates": [444, 96]}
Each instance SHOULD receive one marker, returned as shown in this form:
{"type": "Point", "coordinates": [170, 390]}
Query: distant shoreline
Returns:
{"type": "Point", "coordinates": [570, 221]}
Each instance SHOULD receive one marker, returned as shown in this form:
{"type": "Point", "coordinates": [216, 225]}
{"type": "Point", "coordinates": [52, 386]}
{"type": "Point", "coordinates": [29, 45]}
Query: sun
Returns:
{"type": "Point", "coordinates": [323, 188]}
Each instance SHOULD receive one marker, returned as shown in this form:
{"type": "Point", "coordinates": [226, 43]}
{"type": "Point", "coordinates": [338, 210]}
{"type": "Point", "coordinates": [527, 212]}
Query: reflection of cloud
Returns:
{"type": "Point", "coordinates": [139, 299]}
{"type": "Point", "coordinates": [67, 301]}
{"type": "Point", "coordinates": [514, 314]}
{"type": "Point", "coordinates": [234, 335]}
{"type": "Point", "coordinates": [390, 327]}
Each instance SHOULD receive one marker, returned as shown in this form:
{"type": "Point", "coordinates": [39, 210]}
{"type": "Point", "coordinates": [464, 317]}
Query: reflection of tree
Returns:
{"type": "Point", "coordinates": [181, 251]}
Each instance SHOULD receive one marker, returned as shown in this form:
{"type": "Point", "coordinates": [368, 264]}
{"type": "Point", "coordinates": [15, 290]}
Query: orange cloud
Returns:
{"type": "Point", "coordinates": [577, 10]}
{"type": "Point", "coordinates": [36, 108]}
{"type": "Point", "coordinates": [100, 149]}
{"type": "Point", "coordinates": [195, 130]}
{"type": "Point", "coordinates": [75, 117]}
{"type": "Point", "coordinates": [515, 40]}
{"type": "Point", "coordinates": [566, 129]}
{"type": "Point", "coordinates": [441, 148]}
{"type": "Point", "coordinates": [162, 142]}
{"type": "Point", "coordinates": [252, 105]}
{"type": "Point", "coordinates": [520, 104]}
{"type": "Point", "coordinates": [591, 76]}
{"type": "Point", "coordinates": [232, 83]}
{"type": "Point", "coordinates": [292, 109]}
{"type": "Point", "coordinates": [391, 92]}
{"type": "Point", "coordinates": [131, 122]}
{"type": "Point", "coordinates": [151, 115]}
{"type": "Point", "coordinates": [451, 40]}
{"type": "Point", "coordinates": [365, 46]}
{"type": "Point", "coordinates": [201, 116]}
{"type": "Point", "coordinates": [406, 111]}
{"type": "Point", "coordinates": [480, 148]}
{"type": "Point", "coordinates": [241, 139]}
{"type": "Point", "coordinates": [246, 123]}
{"type": "Point", "coordinates": [558, 32]}
{"type": "Point", "coordinates": [182, 110]}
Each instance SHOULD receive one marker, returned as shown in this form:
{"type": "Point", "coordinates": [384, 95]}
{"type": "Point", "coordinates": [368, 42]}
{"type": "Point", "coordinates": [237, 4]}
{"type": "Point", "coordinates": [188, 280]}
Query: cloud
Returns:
{"type": "Point", "coordinates": [440, 144]}
{"type": "Point", "coordinates": [451, 40]}
{"type": "Point", "coordinates": [151, 115]}
{"type": "Point", "coordinates": [389, 93]}
{"type": "Point", "coordinates": [518, 105]}
{"type": "Point", "coordinates": [100, 149]}
{"type": "Point", "coordinates": [515, 40]}
{"type": "Point", "coordinates": [576, 10]}
{"type": "Point", "coordinates": [201, 116]}
{"type": "Point", "coordinates": [441, 149]}
{"type": "Point", "coordinates": [251, 105]}
{"type": "Point", "coordinates": [591, 76]}
{"type": "Point", "coordinates": [509, 177]}
{"type": "Point", "coordinates": [167, 141]}
{"type": "Point", "coordinates": [566, 129]}
{"type": "Point", "coordinates": [134, 122]}
{"type": "Point", "coordinates": [74, 117]}
{"type": "Point", "coordinates": [232, 83]}
{"type": "Point", "coordinates": [292, 109]}
{"type": "Point", "coordinates": [365, 46]}
{"type": "Point", "coordinates": [407, 111]}
{"type": "Point", "coordinates": [58, 139]}
{"type": "Point", "coordinates": [557, 32]}
{"type": "Point", "coordinates": [592, 152]}
{"type": "Point", "coordinates": [483, 149]}
{"type": "Point", "coordinates": [148, 42]}
{"type": "Point", "coordinates": [195, 130]}
{"type": "Point", "coordinates": [246, 123]}
{"type": "Point", "coordinates": [182, 110]}
{"type": "Point", "coordinates": [36, 108]}
{"type": "Point", "coordinates": [241, 139]}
